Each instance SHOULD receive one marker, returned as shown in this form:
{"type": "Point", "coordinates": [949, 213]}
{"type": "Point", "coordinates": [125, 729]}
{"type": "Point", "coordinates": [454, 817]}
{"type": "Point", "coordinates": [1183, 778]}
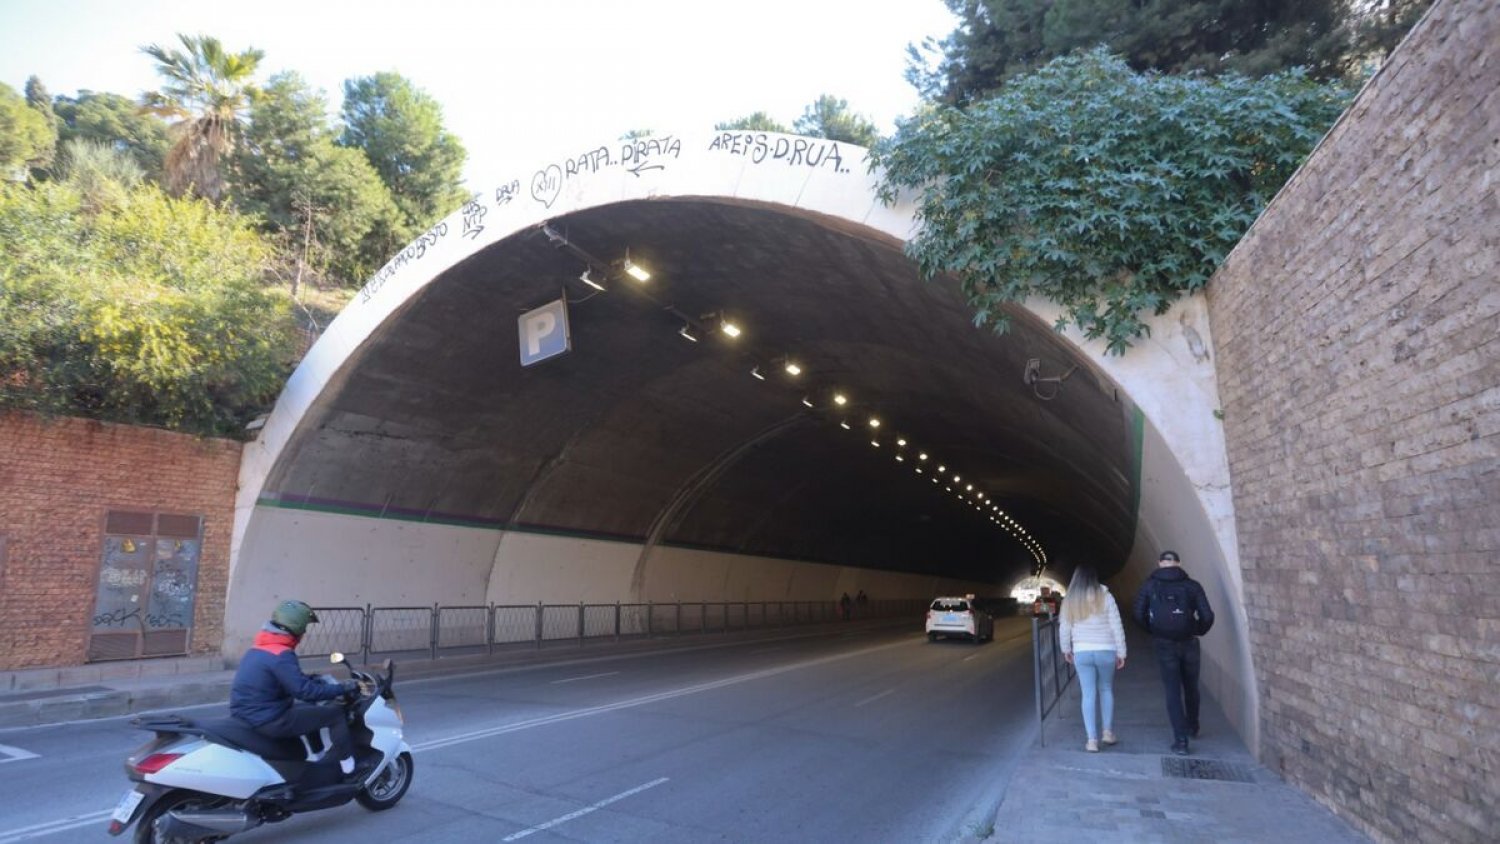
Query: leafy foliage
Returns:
{"type": "Point", "coordinates": [999, 39]}
{"type": "Point", "coordinates": [26, 137]}
{"type": "Point", "coordinates": [830, 117]}
{"type": "Point", "coordinates": [148, 311]}
{"type": "Point", "coordinates": [757, 122]}
{"type": "Point", "coordinates": [400, 129]}
{"type": "Point", "coordinates": [324, 202]}
{"type": "Point", "coordinates": [207, 92]}
{"type": "Point", "coordinates": [1107, 191]}
{"type": "Point", "coordinates": [113, 120]}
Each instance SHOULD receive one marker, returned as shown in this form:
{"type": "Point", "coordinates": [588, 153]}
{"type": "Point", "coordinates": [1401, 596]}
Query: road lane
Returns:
{"type": "Point", "coordinates": [879, 735]}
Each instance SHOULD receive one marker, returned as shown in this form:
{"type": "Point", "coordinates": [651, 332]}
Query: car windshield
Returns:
{"type": "Point", "coordinates": [950, 605]}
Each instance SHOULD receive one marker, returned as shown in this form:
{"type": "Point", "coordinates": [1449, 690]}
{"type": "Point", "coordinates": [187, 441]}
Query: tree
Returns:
{"type": "Point", "coordinates": [400, 129]}
{"type": "Point", "coordinates": [207, 94]}
{"type": "Point", "coordinates": [1106, 191]}
{"type": "Point", "coordinates": [113, 120]}
{"type": "Point", "coordinates": [829, 117]}
{"type": "Point", "coordinates": [325, 202]}
{"type": "Point", "coordinates": [38, 98]}
{"type": "Point", "coordinates": [757, 122]}
{"type": "Point", "coordinates": [1379, 25]}
{"type": "Point", "coordinates": [26, 139]}
{"type": "Point", "coordinates": [998, 39]}
{"type": "Point", "coordinates": [151, 311]}
{"type": "Point", "coordinates": [103, 175]}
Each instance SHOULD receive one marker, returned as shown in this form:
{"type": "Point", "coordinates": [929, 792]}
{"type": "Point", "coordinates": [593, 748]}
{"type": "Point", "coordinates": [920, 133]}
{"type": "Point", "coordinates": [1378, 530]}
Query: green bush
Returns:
{"type": "Point", "coordinates": [147, 309]}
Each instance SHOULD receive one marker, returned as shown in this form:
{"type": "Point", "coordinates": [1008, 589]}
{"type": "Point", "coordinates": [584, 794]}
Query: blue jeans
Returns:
{"type": "Point", "coordinates": [1179, 663]}
{"type": "Point", "coordinates": [1096, 679]}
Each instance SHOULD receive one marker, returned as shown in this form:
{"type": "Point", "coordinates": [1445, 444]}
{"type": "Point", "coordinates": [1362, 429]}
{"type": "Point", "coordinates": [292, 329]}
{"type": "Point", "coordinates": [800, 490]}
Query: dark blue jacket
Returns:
{"type": "Point", "coordinates": [270, 678]}
{"type": "Point", "coordinates": [1203, 613]}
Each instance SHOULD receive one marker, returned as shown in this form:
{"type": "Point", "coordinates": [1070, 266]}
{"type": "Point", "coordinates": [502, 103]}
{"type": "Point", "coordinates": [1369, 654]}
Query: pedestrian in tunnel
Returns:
{"type": "Point", "coordinates": [1173, 608]}
{"type": "Point", "coordinates": [846, 605]}
{"type": "Point", "coordinates": [1093, 640]}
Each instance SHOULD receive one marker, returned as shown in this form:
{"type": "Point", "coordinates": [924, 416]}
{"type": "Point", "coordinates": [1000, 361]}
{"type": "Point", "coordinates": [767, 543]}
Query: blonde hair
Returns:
{"type": "Point", "coordinates": [1085, 597]}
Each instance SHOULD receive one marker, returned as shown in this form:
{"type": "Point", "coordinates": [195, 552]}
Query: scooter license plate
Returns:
{"type": "Point", "coordinates": [127, 805]}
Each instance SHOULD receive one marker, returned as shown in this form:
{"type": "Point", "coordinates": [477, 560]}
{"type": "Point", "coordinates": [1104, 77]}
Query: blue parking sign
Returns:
{"type": "Point", "coordinates": [544, 332]}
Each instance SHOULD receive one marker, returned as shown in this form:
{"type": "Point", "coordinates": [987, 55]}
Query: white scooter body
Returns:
{"type": "Point", "coordinates": [197, 781]}
{"type": "Point", "coordinates": [215, 769]}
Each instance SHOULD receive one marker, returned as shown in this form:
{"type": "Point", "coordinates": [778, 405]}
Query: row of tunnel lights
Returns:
{"type": "Point", "coordinates": [727, 327]}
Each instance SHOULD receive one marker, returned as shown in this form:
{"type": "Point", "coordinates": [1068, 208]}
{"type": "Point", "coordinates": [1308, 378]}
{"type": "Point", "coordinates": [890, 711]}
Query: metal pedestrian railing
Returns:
{"type": "Point", "coordinates": [485, 628]}
{"type": "Point", "coordinates": [1053, 673]}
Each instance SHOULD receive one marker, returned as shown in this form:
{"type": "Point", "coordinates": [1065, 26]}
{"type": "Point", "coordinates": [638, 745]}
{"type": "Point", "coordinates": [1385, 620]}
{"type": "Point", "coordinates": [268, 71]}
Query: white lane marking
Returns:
{"type": "Point", "coordinates": [585, 810]}
{"type": "Point", "coordinates": [16, 754]}
{"type": "Point", "coordinates": [489, 732]}
{"type": "Point", "coordinates": [971, 656]}
{"type": "Point", "coordinates": [26, 833]}
{"type": "Point", "coordinates": [585, 677]}
{"type": "Point", "coordinates": [874, 698]}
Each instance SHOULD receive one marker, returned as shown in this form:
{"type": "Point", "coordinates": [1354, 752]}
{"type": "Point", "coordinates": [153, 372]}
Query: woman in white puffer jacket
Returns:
{"type": "Point", "coordinates": [1093, 639]}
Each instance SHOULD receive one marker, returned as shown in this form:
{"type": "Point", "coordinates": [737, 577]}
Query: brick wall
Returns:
{"type": "Point", "coordinates": [1358, 335]}
{"type": "Point", "coordinates": [58, 478]}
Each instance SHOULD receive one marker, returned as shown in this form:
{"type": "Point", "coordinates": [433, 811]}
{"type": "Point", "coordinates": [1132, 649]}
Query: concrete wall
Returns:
{"type": "Point", "coordinates": [58, 479]}
{"type": "Point", "coordinates": [1358, 341]}
{"type": "Point", "coordinates": [335, 559]}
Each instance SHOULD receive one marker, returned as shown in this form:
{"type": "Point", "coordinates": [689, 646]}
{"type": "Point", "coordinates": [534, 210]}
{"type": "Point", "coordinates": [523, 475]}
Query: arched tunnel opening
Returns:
{"type": "Point", "coordinates": [640, 434]}
{"type": "Point", "coordinates": [413, 460]}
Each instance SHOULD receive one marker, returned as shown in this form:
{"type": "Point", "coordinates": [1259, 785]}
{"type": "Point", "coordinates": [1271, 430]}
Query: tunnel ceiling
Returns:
{"type": "Point", "coordinates": [638, 432]}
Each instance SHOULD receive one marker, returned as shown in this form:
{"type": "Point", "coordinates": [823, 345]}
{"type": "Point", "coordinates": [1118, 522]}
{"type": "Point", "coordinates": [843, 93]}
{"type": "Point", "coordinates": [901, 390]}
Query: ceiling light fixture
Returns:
{"type": "Point", "coordinates": [900, 459]}
{"type": "Point", "coordinates": [729, 329]}
{"type": "Point", "coordinates": [922, 456]}
{"type": "Point", "coordinates": [807, 401]}
{"type": "Point", "coordinates": [635, 271]}
{"type": "Point", "coordinates": [687, 333]}
{"type": "Point", "coordinates": [755, 372]}
{"type": "Point", "coordinates": [901, 443]}
{"type": "Point", "coordinates": [874, 423]}
{"type": "Point", "coordinates": [839, 399]}
{"type": "Point", "coordinates": [844, 423]}
{"type": "Point", "coordinates": [792, 368]}
{"type": "Point", "coordinates": [590, 282]}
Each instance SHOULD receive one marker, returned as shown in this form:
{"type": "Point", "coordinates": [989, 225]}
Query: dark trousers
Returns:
{"type": "Point", "coordinates": [1179, 663]}
{"type": "Point", "coordinates": [304, 718]}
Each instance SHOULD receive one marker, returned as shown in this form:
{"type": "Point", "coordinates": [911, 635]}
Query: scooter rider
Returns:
{"type": "Point", "coordinates": [271, 694]}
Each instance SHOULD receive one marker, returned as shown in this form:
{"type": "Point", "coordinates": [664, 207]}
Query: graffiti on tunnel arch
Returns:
{"type": "Point", "coordinates": [637, 155]}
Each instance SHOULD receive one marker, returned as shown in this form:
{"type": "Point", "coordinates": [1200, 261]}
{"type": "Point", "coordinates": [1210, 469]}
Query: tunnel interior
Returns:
{"type": "Point", "coordinates": [640, 435]}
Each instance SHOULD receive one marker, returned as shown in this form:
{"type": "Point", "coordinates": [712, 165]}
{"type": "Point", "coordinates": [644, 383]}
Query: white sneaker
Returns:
{"type": "Point", "coordinates": [1109, 737]}
{"type": "Point", "coordinates": [1091, 746]}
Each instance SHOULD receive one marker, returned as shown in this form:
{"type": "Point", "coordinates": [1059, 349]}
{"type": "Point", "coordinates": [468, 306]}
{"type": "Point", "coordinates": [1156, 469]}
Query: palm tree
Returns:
{"type": "Point", "coordinates": [207, 93]}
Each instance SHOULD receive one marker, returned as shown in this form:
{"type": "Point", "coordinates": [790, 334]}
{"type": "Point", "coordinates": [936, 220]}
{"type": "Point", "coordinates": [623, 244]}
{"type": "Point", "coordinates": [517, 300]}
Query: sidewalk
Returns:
{"type": "Point", "coordinates": [1138, 791]}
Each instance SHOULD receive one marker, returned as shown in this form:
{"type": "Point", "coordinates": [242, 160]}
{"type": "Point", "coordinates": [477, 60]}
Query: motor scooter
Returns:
{"type": "Point", "coordinates": [206, 779]}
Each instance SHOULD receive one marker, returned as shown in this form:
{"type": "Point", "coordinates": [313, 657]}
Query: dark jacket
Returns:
{"type": "Point", "coordinates": [270, 678]}
{"type": "Point", "coordinates": [1202, 611]}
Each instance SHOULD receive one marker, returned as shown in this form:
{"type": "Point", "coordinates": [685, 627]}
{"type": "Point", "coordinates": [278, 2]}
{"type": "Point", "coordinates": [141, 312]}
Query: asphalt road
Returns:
{"type": "Point", "coordinates": [866, 736]}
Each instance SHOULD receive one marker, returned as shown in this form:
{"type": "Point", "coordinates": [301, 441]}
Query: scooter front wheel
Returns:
{"type": "Point", "coordinates": [388, 788]}
{"type": "Point", "coordinates": [145, 830]}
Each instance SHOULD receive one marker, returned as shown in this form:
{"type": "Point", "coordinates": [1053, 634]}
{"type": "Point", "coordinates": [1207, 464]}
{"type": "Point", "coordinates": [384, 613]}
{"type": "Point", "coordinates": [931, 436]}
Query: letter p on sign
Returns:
{"type": "Point", "coordinates": [544, 332]}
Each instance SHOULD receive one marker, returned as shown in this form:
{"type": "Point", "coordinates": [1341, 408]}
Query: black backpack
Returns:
{"type": "Point", "coordinates": [1170, 611]}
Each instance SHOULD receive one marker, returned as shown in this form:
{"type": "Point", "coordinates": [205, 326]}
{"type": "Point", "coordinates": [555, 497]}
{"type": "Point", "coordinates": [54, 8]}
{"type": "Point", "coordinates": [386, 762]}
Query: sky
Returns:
{"type": "Point", "coordinates": [519, 82]}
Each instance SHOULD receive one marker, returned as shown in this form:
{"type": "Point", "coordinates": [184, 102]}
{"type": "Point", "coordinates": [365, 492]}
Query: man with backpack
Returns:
{"type": "Point", "coordinates": [1173, 608]}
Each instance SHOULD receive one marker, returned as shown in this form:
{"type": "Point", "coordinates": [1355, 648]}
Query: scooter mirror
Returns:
{"type": "Point", "coordinates": [336, 658]}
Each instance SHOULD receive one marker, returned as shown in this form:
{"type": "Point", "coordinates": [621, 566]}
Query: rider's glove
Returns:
{"type": "Point", "coordinates": [350, 687]}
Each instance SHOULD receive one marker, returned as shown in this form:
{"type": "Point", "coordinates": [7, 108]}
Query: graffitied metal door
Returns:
{"type": "Point", "coordinates": [148, 581]}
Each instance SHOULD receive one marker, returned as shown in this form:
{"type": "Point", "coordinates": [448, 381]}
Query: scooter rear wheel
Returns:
{"type": "Point", "coordinates": [145, 829]}
{"type": "Point", "coordinates": [387, 789]}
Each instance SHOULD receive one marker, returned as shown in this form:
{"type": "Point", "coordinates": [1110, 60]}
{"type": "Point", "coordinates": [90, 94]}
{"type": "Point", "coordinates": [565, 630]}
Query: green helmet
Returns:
{"type": "Point", "coordinates": [293, 617]}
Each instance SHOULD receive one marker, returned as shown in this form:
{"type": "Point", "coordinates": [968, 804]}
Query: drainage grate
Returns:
{"type": "Point", "coordinates": [1205, 769]}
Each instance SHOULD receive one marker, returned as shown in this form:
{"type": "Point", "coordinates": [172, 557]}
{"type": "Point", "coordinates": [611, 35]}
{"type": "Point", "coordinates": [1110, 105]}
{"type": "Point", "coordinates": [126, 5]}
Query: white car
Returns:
{"type": "Point", "coordinates": [959, 617]}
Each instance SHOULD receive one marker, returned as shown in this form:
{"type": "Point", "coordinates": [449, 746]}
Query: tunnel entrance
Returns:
{"type": "Point", "coordinates": [413, 460]}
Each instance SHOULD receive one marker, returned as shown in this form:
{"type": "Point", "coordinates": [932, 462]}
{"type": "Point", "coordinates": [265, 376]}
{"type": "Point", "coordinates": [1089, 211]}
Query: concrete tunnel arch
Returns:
{"type": "Point", "coordinates": [411, 460]}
